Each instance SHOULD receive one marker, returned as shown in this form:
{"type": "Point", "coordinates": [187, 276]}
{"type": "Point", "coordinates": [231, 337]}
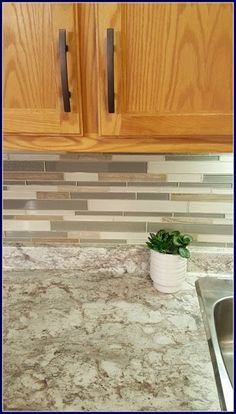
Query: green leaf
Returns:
{"type": "Point", "coordinates": [184, 252]}
{"type": "Point", "coordinates": [187, 239]}
{"type": "Point", "coordinates": [160, 235]}
{"type": "Point", "coordinates": [175, 233]}
{"type": "Point", "coordinates": [177, 241]}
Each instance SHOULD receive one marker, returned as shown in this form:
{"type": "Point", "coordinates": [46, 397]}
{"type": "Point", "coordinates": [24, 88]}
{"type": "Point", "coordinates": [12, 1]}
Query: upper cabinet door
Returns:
{"type": "Point", "coordinates": [35, 66]}
{"type": "Point", "coordinates": [172, 69]}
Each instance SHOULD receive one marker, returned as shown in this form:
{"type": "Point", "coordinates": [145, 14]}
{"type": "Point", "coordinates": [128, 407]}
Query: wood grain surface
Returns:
{"type": "Point", "coordinates": [173, 77]}
{"type": "Point", "coordinates": [138, 144]}
{"type": "Point", "coordinates": [173, 63]}
{"type": "Point", "coordinates": [32, 91]}
{"type": "Point", "coordinates": [89, 71]}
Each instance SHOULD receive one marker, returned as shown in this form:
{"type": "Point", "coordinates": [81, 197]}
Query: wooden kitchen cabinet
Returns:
{"type": "Point", "coordinates": [32, 79]}
{"type": "Point", "coordinates": [172, 73]}
{"type": "Point", "coordinates": [172, 69]}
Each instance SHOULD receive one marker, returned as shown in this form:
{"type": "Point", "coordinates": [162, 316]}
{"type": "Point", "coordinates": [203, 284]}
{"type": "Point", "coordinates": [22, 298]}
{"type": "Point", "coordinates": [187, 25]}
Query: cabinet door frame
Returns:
{"type": "Point", "coordinates": [52, 121]}
{"type": "Point", "coordinates": [146, 124]}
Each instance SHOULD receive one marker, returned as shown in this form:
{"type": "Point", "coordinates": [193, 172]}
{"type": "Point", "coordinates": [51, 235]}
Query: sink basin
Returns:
{"type": "Point", "coordinates": [223, 316]}
{"type": "Point", "coordinates": [215, 297]}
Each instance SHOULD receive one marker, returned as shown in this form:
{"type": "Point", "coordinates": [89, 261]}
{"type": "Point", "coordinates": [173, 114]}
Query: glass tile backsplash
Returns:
{"type": "Point", "coordinates": [96, 199]}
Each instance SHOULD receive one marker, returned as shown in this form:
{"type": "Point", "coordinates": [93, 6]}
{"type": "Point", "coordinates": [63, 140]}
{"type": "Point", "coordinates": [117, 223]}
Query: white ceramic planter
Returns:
{"type": "Point", "coordinates": [167, 271]}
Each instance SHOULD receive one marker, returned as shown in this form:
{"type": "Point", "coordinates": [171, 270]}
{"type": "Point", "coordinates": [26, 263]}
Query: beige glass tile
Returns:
{"type": "Point", "coordinates": [172, 167]}
{"type": "Point", "coordinates": [23, 225]}
{"type": "Point", "coordinates": [131, 177]}
{"type": "Point", "coordinates": [18, 195]}
{"type": "Point", "coordinates": [139, 205]}
{"type": "Point", "coordinates": [189, 178]}
{"type": "Point", "coordinates": [204, 207]}
{"type": "Point", "coordinates": [80, 176]}
{"type": "Point", "coordinates": [215, 238]}
{"type": "Point", "coordinates": [201, 197]}
{"type": "Point", "coordinates": [53, 195]}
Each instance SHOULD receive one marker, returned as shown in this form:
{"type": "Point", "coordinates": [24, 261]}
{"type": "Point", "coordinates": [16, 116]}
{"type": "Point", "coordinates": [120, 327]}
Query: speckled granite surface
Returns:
{"type": "Point", "coordinates": [114, 260]}
{"type": "Point", "coordinates": [103, 342]}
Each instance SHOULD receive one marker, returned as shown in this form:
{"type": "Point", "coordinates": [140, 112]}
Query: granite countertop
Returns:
{"type": "Point", "coordinates": [103, 342]}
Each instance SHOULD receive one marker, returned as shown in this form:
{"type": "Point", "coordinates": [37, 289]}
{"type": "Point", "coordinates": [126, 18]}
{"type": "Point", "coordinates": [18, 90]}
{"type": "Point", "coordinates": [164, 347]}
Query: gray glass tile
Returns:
{"type": "Point", "coordinates": [23, 166]}
{"type": "Point", "coordinates": [38, 234]}
{"type": "Point", "coordinates": [33, 156]}
{"type": "Point", "coordinates": [192, 228]}
{"type": "Point", "coordinates": [208, 215]}
{"type": "Point", "coordinates": [45, 204]}
{"type": "Point", "coordinates": [210, 178]}
{"type": "Point", "coordinates": [12, 182]}
{"type": "Point", "coordinates": [34, 182]}
{"type": "Point", "coordinates": [102, 241]}
{"type": "Point", "coordinates": [152, 196]}
{"type": "Point", "coordinates": [146, 214]}
{"type": "Point", "coordinates": [101, 184]}
{"type": "Point", "coordinates": [208, 244]}
{"type": "Point", "coordinates": [98, 213]}
{"type": "Point", "coordinates": [85, 156]}
{"type": "Point", "coordinates": [54, 242]}
{"type": "Point", "coordinates": [82, 166]}
{"type": "Point", "coordinates": [150, 184]}
{"type": "Point", "coordinates": [192, 157]}
{"type": "Point", "coordinates": [98, 226]}
{"type": "Point", "coordinates": [14, 241]}
{"type": "Point", "coordinates": [200, 197]}
{"type": "Point", "coordinates": [32, 175]}
{"type": "Point", "coordinates": [199, 185]}
{"type": "Point", "coordinates": [104, 196]}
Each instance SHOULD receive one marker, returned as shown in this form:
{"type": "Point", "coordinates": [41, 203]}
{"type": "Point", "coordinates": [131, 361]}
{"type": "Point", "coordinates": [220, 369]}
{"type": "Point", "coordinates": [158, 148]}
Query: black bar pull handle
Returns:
{"type": "Point", "coordinates": [63, 48]}
{"type": "Point", "coordinates": [110, 71]}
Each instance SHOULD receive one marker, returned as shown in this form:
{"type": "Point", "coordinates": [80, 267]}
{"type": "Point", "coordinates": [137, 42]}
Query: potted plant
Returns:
{"type": "Point", "coordinates": [168, 263]}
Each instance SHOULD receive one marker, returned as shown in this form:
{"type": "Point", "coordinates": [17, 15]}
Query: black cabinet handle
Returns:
{"type": "Point", "coordinates": [110, 71]}
{"type": "Point", "coordinates": [63, 48]}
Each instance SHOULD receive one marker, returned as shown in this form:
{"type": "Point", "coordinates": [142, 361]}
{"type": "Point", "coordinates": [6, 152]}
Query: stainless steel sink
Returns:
{"type": "Point", "coordinates": [215, 297]}
{"type": "Point", "coordinates": [223, 315]}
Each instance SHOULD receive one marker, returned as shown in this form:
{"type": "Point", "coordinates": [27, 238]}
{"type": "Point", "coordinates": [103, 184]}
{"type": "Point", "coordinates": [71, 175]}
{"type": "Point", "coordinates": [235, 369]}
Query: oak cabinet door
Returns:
{"type": "Point", "coordinates": [33, 101]}
{"type": "Point", "coordinates": [172, 69]}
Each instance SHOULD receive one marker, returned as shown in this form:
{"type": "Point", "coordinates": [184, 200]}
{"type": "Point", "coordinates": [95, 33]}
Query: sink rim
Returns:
{"type": "Point", "coordinates": [225, 298]}
{"type": "Point", "coordinates": [208, 297]}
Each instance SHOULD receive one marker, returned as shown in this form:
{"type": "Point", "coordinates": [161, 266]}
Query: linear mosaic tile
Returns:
{"type": "Point", "coordinates": [88, 166]}
{"type": "Point", "coordinates": [32, 175]}
{"type": "Point", "coordinates": [98, 226]}
{"type": "Point", "coordinates": [103, 196]}
{"type": "Point", "coordinates": [52, 195]}
{"type": "Point", "coordinates": [191, 228]}
{"type": "Point", "coordinates": [206, 167]}
{"type": "Point", "coordinates": [24, 166]}
{"type": "Point", "coordinates": [140, 205]}
{"type": "Point", "coordinates": [152, 196]}
{"type": "Point", "coordinates": [202, 197]}
{"type": "Point", "coordinates": [210, 178]}
{"type": "Point", "coordinates": [109, 199]}
{"type": "Point", "coordinates": [45, 204]}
